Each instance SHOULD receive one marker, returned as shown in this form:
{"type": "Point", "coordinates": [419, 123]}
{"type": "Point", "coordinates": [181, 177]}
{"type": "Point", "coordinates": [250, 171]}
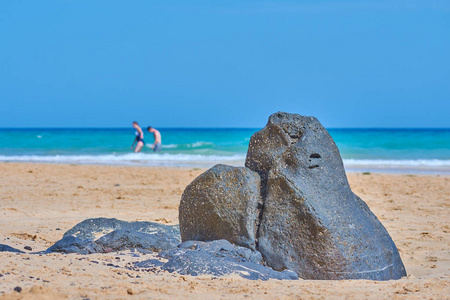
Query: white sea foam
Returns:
{"type": "Point", "coordinates": [169, 146]}
{"type": "Point", "coordinates": [199, 144]}
{"type": "Point", "coordinates": [131, 158]}
{"type": "Point", "coordinates": [166, 159]}
{"type": "Point", "coordinates": [440, 166]}
{"type": "Point", "coordinates": [191, 145]}
{"type": "Point", "coordinates": [399, 163]}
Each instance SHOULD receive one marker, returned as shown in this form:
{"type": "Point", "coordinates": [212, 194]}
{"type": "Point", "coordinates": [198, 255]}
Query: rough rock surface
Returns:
{"type": "Point", "coordinates": [103, 235]}
{"type": "Point", "coordinates": [221, 203]}
{"type": "Point", "coordinates": [72, 244]}
{"type": "Point", "coordinates": [216, 258]}
{"type": "Point", "coordinates": [311, 221]}
{"type": "Point", "coordinates": [6, 248]}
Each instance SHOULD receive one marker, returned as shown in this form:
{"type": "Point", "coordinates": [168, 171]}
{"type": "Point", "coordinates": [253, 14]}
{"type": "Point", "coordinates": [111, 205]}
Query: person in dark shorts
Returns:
{"type": "Point", "coordinates": [157, 135]}
{"type": "Point", "coordinates": [139, 139]}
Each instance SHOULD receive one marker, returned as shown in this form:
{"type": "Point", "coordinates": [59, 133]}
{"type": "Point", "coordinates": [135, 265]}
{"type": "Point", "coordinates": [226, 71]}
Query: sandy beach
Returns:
{"type": "Point", "coordinates": [39, 202]}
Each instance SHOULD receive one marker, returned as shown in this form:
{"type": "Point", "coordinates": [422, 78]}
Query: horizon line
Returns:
{"type": "Point", "coordinates": [245, 128]}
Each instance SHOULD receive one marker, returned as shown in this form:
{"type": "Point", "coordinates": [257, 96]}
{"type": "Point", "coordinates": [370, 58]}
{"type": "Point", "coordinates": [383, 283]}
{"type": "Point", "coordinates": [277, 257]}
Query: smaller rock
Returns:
{"type": "Point", "coordinates": [112, 265]}
{"type": "Point", "coordinates": [216, 258]}
{"type": "Point", "coordinates": [89, 229]}
{"type": "Point", "coordinates": [72, 244]}
{"type": "Point", "coordinates": [221, 203]}
{"type": "Point", "coordinates": [149, 263]}
{"type": "Point", "coordinates": [144, 237]}
{"type": "Point", "coordinates": [123, 239]}
{"type": "Point", "coordinates": [28, 248]}
{"type": "Point", "coordinates": [6, 248]}
{"type": "Point", "coordinates": [18, 289]}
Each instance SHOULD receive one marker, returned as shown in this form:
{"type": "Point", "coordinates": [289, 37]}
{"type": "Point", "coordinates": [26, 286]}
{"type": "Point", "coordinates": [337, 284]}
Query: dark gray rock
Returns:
{"type": "Point", "coordinates": [72, 244]}
{"type": "Point", "coordinates": [216, 258]}
{"type": "Point", "coordinates": [149, 263]}
{"type": "Point", "coordinates": [123, 239]}
{"type": "Point", "coordinates": [90, 229]}
{"type": "Point", "coordinates": [221, 203]}
{"type": "Point", "coordinates": [311, 221]}
{"type": "Point", "coordinates": [219, 248]}
{"type": "Point", "coordinates": [6, 248]}
{"type": "Point", "coordinates": [117, 235]}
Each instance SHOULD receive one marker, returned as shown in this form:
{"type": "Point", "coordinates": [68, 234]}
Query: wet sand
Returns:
{"type": "Point", "coordinates": [39, 202]}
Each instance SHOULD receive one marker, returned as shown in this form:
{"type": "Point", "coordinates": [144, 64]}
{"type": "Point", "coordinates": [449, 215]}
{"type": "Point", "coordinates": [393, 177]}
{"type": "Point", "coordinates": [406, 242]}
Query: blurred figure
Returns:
{"type": "Point", "coordinates": [139, 138]}
{"type": "Point", "coordinates": [157, 135]}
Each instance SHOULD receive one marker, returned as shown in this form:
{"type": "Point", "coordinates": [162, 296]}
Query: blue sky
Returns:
{"type": "Point", "coordinates": [228, 63]}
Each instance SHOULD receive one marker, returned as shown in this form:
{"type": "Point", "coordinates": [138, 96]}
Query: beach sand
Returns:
{"type": "Point", "coordinates": [39, 202]}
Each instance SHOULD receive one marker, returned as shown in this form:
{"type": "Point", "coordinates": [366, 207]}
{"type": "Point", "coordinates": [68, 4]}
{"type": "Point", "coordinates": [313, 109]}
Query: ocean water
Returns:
{"type": "Point", "coordinates": [386, 150]}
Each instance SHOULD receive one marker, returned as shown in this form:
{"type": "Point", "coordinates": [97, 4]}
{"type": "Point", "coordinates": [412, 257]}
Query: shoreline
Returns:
{"type": "Point", "coordinates": [39, 202]}
{"type": "Point", "coordinates": [442, 171]}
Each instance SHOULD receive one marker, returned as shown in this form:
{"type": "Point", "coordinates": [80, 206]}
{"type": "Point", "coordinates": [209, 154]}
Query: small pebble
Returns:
{"type": "Point", "coordinates": [27, 248]}
{"type": "Point", "coordinates": [18, 289]}
{"type": "Point", "coordinates": [117, 185]}
{"type": "Point", "coordinates": [58, 229]}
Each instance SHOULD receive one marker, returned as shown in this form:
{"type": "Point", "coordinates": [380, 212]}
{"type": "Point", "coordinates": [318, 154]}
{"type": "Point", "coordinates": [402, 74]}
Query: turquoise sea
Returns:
{"type": "Point", "coordinates": [391, 150]}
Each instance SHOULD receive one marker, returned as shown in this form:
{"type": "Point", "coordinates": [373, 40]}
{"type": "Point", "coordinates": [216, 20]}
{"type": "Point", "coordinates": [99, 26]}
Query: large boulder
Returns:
{"type": "Point", "coordinates": [300, 212]}
{"type": "Point", "coordinates": [221, 203]}
{"type": "Point", "coordinates": [311, 221]}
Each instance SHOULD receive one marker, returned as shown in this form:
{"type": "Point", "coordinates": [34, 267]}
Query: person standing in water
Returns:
{"type": "Point", "coordinates": [157, 135]}
{"type": "Point", "coordinates": [139, 138]}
